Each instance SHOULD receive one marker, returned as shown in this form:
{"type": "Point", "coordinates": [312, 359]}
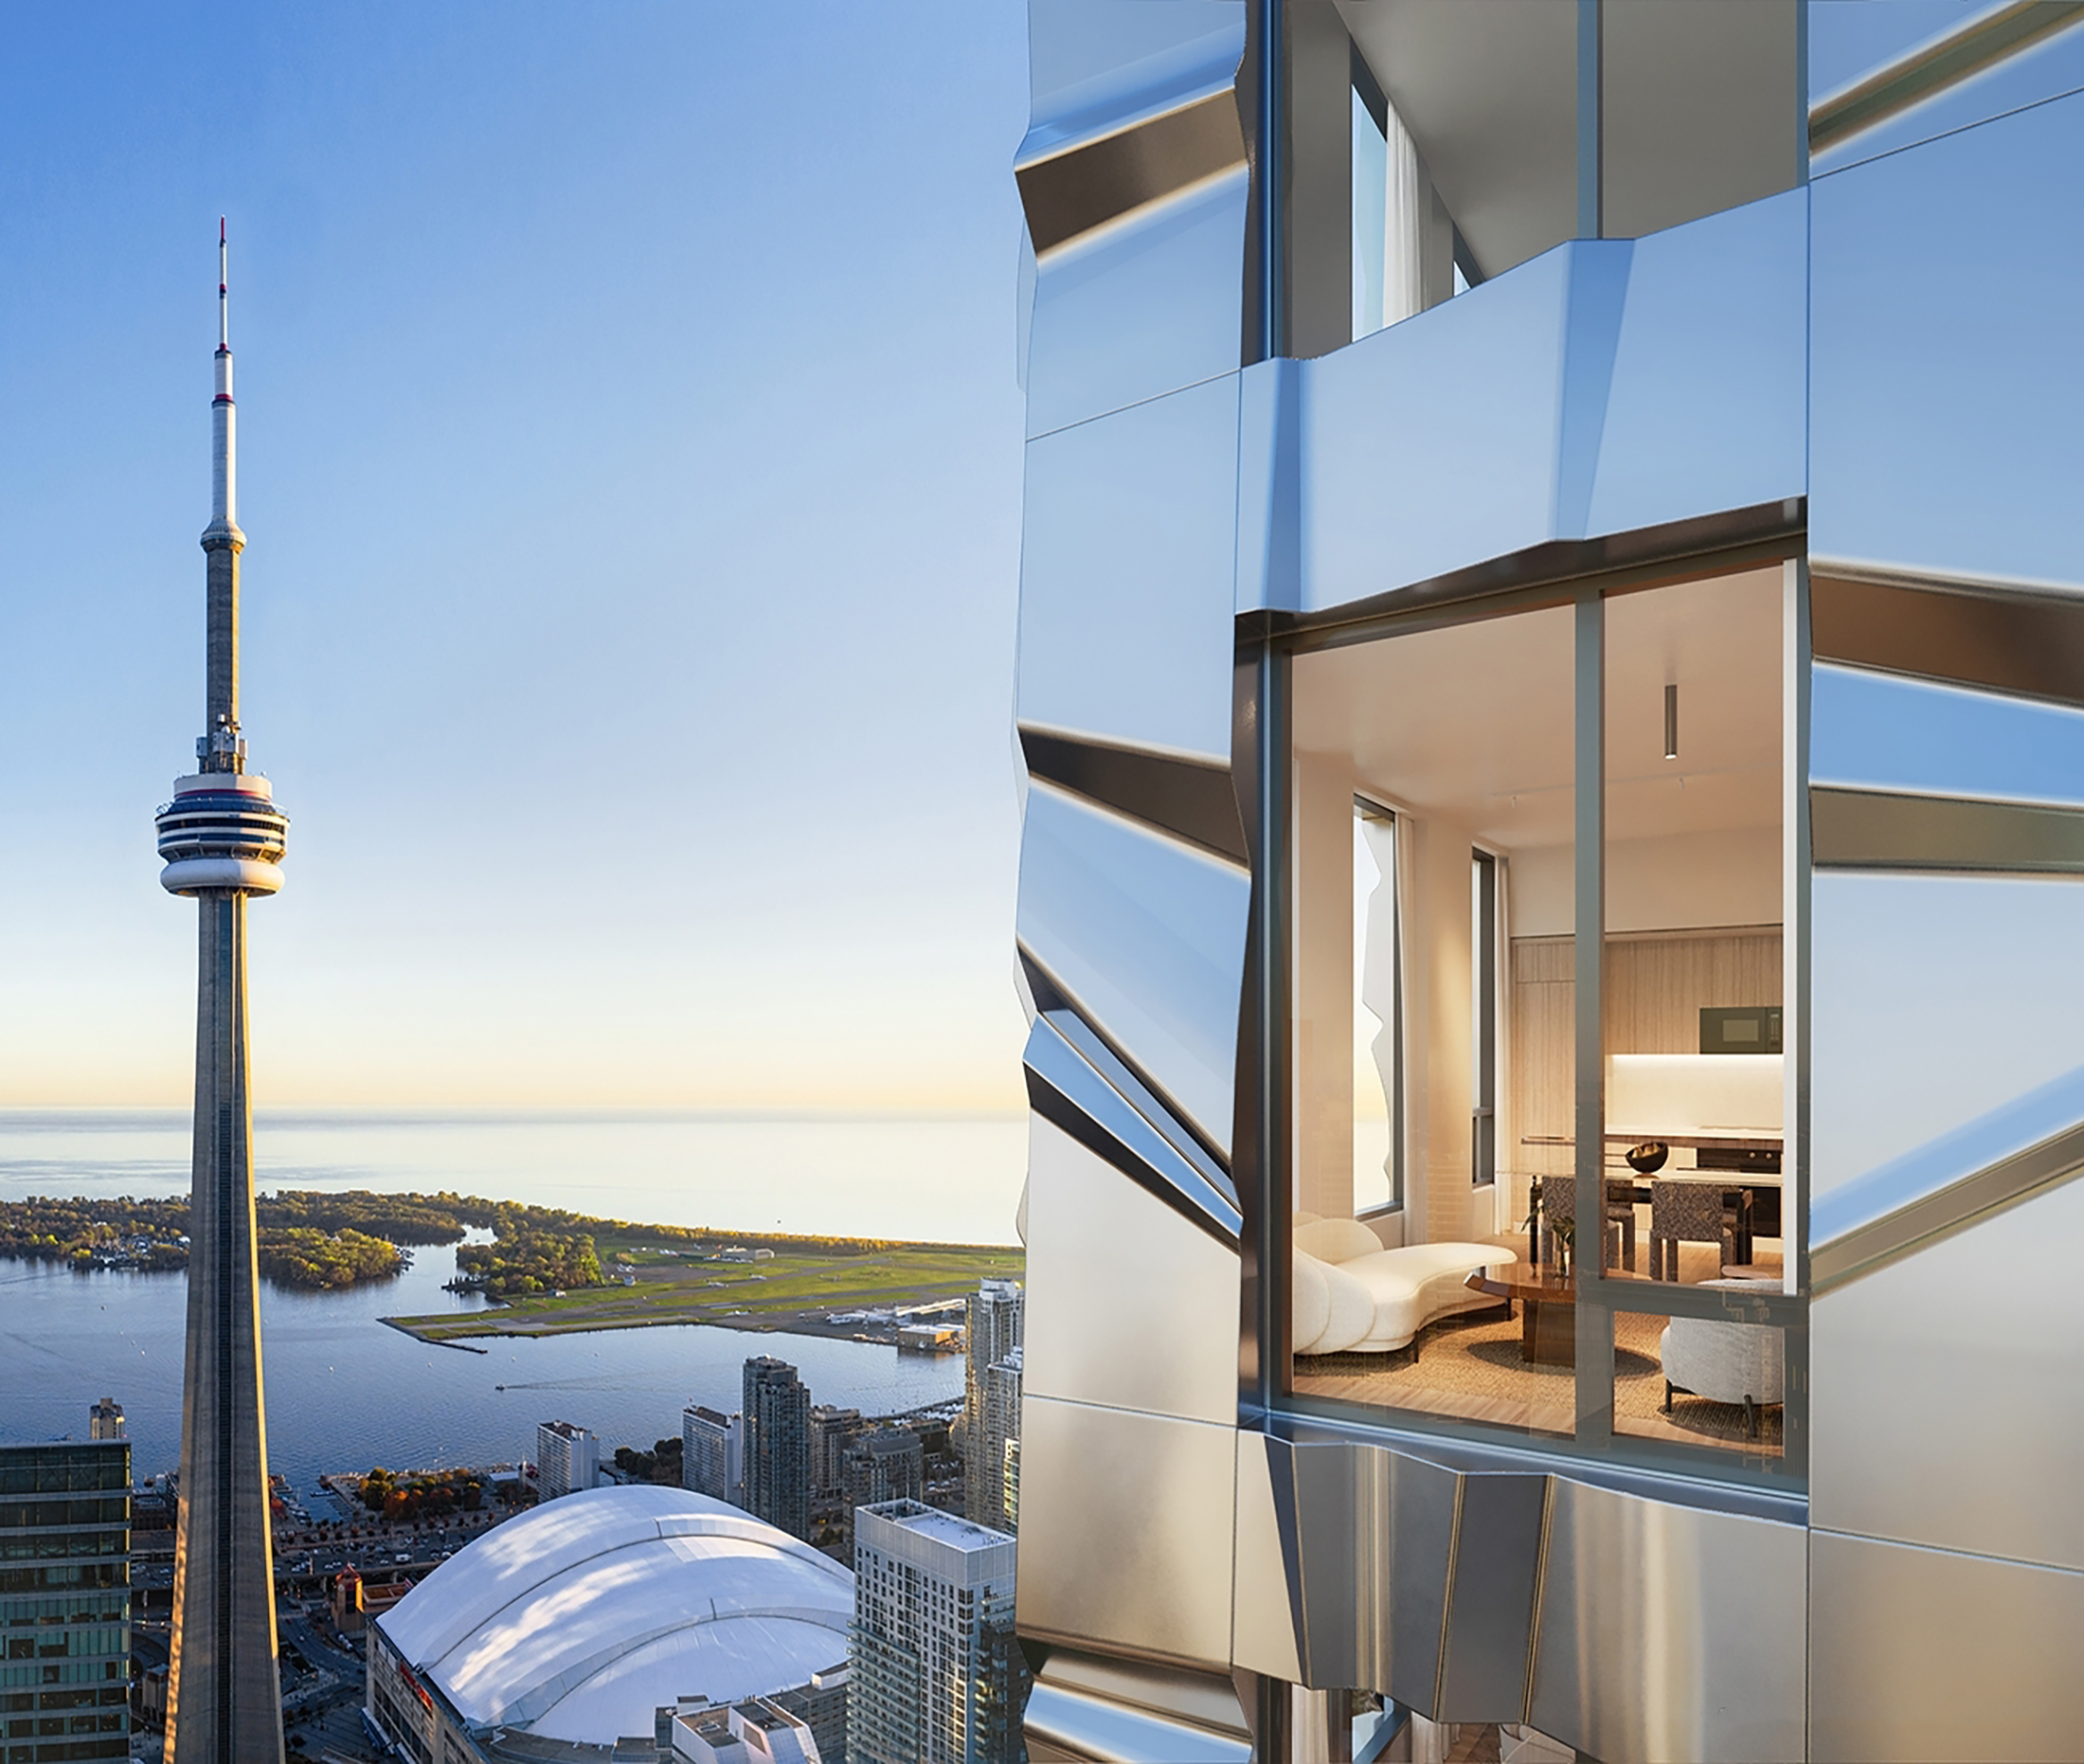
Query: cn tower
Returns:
{"type": "Point", "coordinates": [222, 838]}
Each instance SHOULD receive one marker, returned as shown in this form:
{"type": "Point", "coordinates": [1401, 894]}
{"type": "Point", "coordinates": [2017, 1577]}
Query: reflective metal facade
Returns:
{"type": "Point", "coordinates": [1836, 357]}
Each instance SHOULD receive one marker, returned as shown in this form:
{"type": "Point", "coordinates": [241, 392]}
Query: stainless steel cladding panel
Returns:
{"type": "Point", "coordinates": [1948, 1393]}
{"type": "Point", "coordinates": [1362, 1566]}
{"type": "Point", "coordinates": [1147, 936]}
{"type": "Point", "coordinates": [1943, 431]}
{"type": "Point", "coordinates": [1267, 1636]}
{"type": "Point", "coordinates": [1376, 1533]}
{"type": "Point", "coordinates": [1714, 334]}
{"type": "Point", "coordinates": [1085, 1706]}
{"type": "Point", "coordinates": [1125, 1531]}
{"type": "Point", "coordinates": [2027, 54]}
{"type": "Point", "coordinates": [1096, 66]}
{"type": "Point", "coordinates": [1433, 445]}
{"type": "Point", "coordinates": [1490, 1602]}
{"type": "Point", "coordinates": [1669, 1633]}
{"type": "Point", "coordinates": [1132, 1305]}
{"type": "Point", "coordinates": [1127, 572]}
{"type": "Point", "coordinates": [1538, 407]}
{"type": "Point", "coordinates": [1142, 307]}
{"type": "Point", "coordinates": [1918, 1654]}
{"type": "Point", "coordinates": [1880, 731]}
{"type": "Point", "coordinates": [1933, 1000]}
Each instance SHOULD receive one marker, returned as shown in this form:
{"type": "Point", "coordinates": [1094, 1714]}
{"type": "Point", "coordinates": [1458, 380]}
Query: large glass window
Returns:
{"type": "Point", "coordinates": [1476, 1237]}
{"type": "Point", "coordinates": [1691, 1018]}
{"type": "Point", "coordinates": [1468, 138]}
{"type": "Point", "coordinates": [1449, 754]}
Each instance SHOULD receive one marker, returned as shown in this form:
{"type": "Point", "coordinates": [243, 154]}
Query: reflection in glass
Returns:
{"type": "Point", "coordinates": [1375, 1183]}
{"type": "Point", "coordinates": [1371, 153]}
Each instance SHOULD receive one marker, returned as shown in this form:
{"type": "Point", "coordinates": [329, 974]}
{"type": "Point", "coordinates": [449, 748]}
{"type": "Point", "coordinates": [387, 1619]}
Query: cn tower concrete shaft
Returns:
{"type": "Point", "coordinates": [224, 1696]}
{"type": "Point", "coordinates": [222, 838]}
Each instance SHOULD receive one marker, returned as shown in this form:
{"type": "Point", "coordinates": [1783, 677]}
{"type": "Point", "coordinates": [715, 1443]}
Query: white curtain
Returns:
{"type": "Point", "coordinates": [1405, 206]}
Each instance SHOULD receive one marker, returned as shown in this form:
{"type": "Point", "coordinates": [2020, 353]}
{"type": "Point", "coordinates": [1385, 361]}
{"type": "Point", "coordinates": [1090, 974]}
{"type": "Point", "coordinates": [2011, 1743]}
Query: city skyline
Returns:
{"type": "Point", "coordinates": [540, 326]}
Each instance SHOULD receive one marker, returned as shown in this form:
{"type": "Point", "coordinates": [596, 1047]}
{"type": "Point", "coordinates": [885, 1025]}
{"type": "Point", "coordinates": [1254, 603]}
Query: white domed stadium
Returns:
{"type": "Point", "coordinates": [565, 1630]}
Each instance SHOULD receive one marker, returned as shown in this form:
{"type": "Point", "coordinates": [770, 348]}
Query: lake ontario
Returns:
{"type": "Point", "coordinates": [345, 1391]}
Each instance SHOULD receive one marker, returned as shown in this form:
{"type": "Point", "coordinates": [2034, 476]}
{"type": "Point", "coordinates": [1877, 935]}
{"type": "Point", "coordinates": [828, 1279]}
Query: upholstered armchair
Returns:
{"type": "Point", "coordinates": [1723, 1361]}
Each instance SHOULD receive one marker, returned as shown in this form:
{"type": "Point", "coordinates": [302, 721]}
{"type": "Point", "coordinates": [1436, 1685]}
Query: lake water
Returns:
{"type": "Point", "coordinates": [344, 1391]}
{"type": "Point", "coordinates": [941, 1180]}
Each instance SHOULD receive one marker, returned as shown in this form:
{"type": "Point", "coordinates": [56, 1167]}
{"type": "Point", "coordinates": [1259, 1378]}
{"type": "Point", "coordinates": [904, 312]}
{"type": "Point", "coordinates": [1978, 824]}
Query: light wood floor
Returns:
{"type": "Point", "coordinates": [1469, 1367]}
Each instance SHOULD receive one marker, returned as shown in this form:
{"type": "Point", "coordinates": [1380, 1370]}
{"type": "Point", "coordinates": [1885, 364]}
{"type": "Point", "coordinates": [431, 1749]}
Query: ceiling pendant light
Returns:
{"type": "Point", "coordinates": [1671, 721]}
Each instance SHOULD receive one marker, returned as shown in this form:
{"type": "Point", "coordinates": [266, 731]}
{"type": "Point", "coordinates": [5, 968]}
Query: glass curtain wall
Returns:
{"type": "Point", "coordinates": [1691, 1018]}
{"type": "Point", "coordinates": [1435, 771]}
{"type": "Point", "coordinates": [1467, 139]}
{"type": "Point", "coordinates": [1445, 1265]}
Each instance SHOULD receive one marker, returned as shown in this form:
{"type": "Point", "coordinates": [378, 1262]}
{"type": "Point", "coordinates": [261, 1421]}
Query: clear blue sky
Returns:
{"type": "Point", "coordinates": [630, 466]}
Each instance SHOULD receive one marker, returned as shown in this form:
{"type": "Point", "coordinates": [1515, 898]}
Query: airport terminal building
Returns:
{"type": "Point", "coordinates": [1551, 687]}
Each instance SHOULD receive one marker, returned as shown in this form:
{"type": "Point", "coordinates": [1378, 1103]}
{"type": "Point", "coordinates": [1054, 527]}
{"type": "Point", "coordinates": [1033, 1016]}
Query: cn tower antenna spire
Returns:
{"type": "Point", "coordinates": [224, 302]}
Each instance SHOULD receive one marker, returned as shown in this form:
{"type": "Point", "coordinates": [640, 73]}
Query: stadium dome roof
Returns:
{"type": "Point", "coordinates": [580, 1618]}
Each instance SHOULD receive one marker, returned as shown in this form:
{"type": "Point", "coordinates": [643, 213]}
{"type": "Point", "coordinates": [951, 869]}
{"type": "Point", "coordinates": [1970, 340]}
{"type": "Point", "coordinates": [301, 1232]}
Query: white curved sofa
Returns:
{"type": "Point", "coordinates": [1352, 1296]}
{"type": "Point", "coordinates": [1724, 1362]}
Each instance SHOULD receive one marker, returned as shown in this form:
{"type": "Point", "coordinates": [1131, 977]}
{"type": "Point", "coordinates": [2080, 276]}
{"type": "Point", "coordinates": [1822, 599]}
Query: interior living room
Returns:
{"type": "Point", "coordinates": [1432, 829]}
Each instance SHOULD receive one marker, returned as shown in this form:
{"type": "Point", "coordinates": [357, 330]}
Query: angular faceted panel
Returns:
{"type": "Point", "coordinates": [1889, 75]}
{"type": "Point", "coordinates": [1128, 575]}
{"type": "Point", "coordinates": [1944, 439]}
{"type": "Point", "coordinates": [1880, 731]}
{"type": "Point", "coordinates": [1140, 307]}
{"type": "Point", "coordinates": [1934, 999]}
{"type": "Point", "coordinates": [1976, 1329]}
{"type": "Point", "coordinates": [1133, 183]}
{"type": "Point", "coordinates": [1147, 938]}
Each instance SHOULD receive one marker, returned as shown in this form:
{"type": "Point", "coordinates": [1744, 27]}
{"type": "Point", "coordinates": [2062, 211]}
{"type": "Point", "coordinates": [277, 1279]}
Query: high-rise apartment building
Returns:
{"type": "Point", "coordinates": [937, 1675]}
{"type": "Point", "coordinates": [712, 1454]}
{"type": "Point", "coordinates": [105, 1420]}
{"type": "Point", "coordinates": [993, 1334]}
{"type": "Point", "coordinates": [777, 1445]}
{"type": "Point", "coordinates": [222, 840]}
{"type": "Point", "coordinates": [831, 1430]}
{"type": "Point", "coordinates": [1551, 587]}
{"type": "Point", "coordinates": [1001, 1440]}
{"type": "Point", "coordinates": [64, 1601]}
{"type": "Point", "coordinates": [888, 1464]}
{"type": "Point", "coordinates": [567, 1459]}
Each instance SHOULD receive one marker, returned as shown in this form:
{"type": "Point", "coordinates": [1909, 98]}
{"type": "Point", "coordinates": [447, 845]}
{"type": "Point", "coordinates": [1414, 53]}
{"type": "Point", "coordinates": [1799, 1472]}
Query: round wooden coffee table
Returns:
{"type": "Point", "coordinates": [1548, 1307]}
